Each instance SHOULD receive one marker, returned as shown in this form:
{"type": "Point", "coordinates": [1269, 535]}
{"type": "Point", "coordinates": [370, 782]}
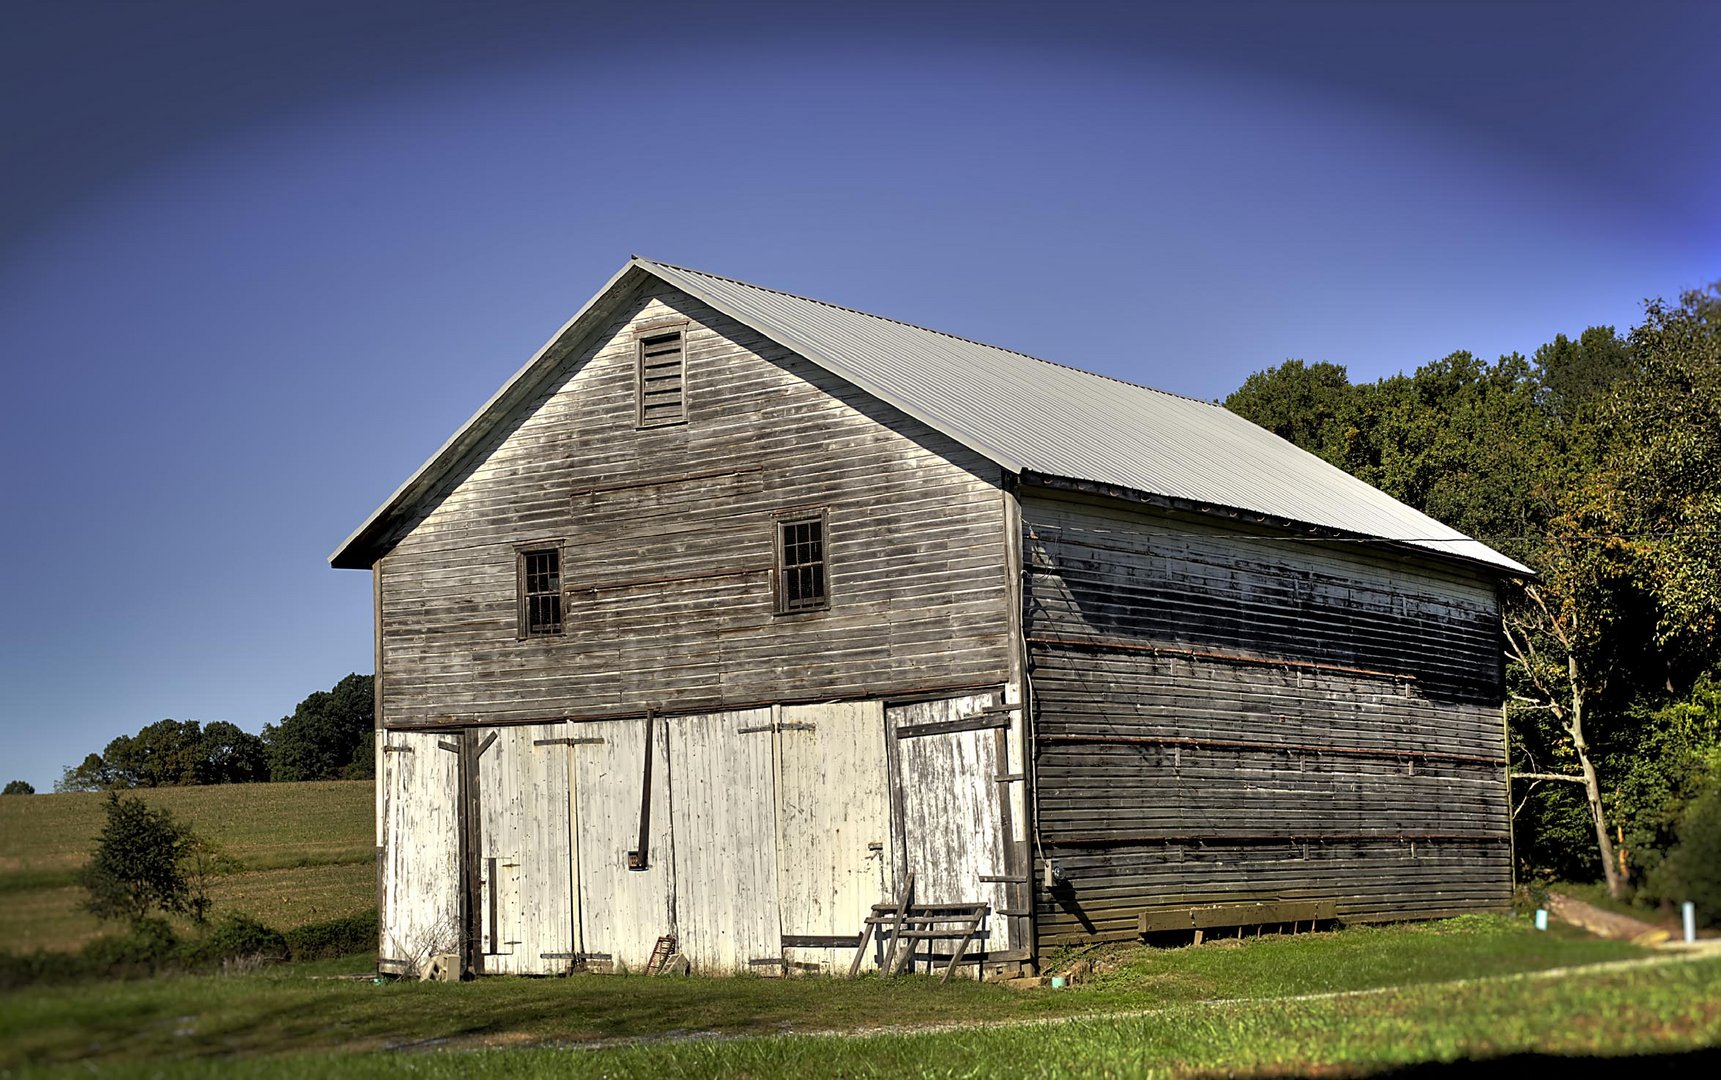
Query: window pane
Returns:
{"type": "Point", "coordinates": [800, 564]}
{"type": "Point", "coordinates": [542, 603]}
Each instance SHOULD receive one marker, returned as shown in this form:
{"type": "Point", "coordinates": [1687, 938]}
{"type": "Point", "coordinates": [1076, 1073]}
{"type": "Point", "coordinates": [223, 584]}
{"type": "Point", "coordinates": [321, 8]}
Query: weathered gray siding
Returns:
{"type": "Point", "coordinates": [1225, 714]}
{"type": "Point", "coordinates": [667, 539]}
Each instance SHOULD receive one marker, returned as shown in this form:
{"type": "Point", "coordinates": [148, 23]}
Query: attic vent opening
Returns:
{"type": "Point", "coordinates": [662, 380]}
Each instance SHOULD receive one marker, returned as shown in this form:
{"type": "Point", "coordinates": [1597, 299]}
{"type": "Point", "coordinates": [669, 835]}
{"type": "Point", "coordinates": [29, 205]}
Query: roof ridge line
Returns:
{"type": "Point", "coordinates": [931, 330]}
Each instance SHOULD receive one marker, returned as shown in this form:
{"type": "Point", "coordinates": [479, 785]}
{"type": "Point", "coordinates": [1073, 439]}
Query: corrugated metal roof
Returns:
{"type": "Point", "coordinates": [1033, 415]}
{"type": "Point", "coordinates": [1026, 414]}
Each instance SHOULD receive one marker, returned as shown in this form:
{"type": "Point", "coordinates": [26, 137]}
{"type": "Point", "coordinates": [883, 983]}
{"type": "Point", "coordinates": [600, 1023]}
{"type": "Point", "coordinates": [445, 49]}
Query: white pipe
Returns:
{"type": "Point", "coordinates": [1689, 911]}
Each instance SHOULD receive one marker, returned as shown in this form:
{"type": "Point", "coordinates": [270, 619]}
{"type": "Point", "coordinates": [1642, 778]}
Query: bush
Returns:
{"type": "Point", "coordinates": [150, 944]}
{"type": "Point", "coordinates": [235, 937]}
{"type": "Point", "coordinates": [145, 861]}
{"type": "Point", "coordinates": [19, 787]}
{"type": "Point", "coordinates": [337, 937]}
{"type": "Point", "coordinates": [1692, 870]}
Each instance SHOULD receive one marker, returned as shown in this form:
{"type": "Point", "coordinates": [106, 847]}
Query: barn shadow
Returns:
{"type": "Point", "coordinates": [1704, 1062]}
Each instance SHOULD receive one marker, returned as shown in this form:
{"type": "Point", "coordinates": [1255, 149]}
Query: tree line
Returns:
{"type": "Point", "coordinates": [1596, 462]}
{"type": "Point", "coordinates": [328, 736]}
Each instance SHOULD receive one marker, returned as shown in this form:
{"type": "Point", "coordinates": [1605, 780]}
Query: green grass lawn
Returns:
{"type": "Point", "coordinates": [305, 853]}
{"type": "Point", "coordinates": [286, 1021]}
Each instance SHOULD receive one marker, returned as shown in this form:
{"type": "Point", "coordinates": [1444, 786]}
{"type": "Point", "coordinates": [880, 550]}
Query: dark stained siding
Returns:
{"type": "Point", "coordinates": [667, 537]}
{"type": "Point", "coordinates": [1224, 714]}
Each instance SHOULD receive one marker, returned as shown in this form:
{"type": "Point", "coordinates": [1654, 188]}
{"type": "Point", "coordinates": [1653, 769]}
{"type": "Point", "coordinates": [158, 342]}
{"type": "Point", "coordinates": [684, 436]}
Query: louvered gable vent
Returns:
{"type": "Point", "coordinates": [662, 378]}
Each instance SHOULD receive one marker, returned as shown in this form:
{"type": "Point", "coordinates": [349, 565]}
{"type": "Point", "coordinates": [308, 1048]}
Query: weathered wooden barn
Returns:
{"type": "Point", "coordinates": [733, 612]}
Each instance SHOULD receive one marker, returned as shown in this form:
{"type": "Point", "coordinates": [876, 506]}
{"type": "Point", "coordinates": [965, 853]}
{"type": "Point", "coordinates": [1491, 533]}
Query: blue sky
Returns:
{"type": "Point", "coordinates": [258, 261]}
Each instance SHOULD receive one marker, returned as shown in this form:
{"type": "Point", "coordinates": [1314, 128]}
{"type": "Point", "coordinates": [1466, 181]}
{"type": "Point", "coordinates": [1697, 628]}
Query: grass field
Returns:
{"type": "Point", "coordinates": [1346, 1003]}
{"type": "Point", "coordinates": [306, 853]}
{"type": "Point", "coordinates": [291, 1017]}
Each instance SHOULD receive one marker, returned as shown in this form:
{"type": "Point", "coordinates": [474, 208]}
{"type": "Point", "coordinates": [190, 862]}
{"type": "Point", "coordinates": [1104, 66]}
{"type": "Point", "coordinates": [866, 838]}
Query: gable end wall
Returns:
{"type": "Point", "coordinates": [667, 537]}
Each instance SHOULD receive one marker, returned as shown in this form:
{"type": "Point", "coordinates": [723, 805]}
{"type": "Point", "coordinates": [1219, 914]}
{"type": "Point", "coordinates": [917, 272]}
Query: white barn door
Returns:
{"type": "Point", "coordinates": [622, 911]}
{"type": "Point", "coordinates": [526, 917]}
{"type": "Point", "coordinates": [418, 830]}
{"type": "Point", "coordinates": [723, 812]}
{"type": "Point", "coordinates": [949, 756]}
{"type": "Point", "coordinates": [833, 829]}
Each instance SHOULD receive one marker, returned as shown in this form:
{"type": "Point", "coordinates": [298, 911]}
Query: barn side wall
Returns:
{"type": "Point", "coordinates": [1226, 715]}
{"type": "Point", "coordinates": [667, 541]}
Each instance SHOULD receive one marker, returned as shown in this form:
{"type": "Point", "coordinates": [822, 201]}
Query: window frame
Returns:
{"type": "Point", "coordinates": [523, 598]}
{"type": "Point", "coordinates": [653, 331]}
{"type": "Point", "coordinates": [780, 523]}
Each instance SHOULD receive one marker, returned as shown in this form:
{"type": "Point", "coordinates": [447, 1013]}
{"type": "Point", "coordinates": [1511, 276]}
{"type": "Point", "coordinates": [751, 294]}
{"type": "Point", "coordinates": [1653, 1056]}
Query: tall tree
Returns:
{"type": "Point", "coordinates": [330, 735]}
{"type": "Point", "coordinates": [1596, 463]}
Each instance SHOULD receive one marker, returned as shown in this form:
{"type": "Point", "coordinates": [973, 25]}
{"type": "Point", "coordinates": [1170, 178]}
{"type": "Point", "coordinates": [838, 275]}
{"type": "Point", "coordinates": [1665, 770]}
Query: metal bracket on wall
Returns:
{"type": "Point", "coordinates": [792, 725]}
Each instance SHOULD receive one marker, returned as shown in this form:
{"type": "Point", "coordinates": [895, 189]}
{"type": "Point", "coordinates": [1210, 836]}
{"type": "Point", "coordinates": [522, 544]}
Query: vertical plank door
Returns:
{"type": "Point", "coordinates": [526, 921]}
{"type": "Point", "coordinates": [952, 805]}
{"type": "Point", "coordinates": [723, 808]}
{"type": "Point", "coordinates": [833, 828]}
{"type": "Point", "coordinates": [622, 911]}
{"type": "Point", "coordinates": [420, 842]}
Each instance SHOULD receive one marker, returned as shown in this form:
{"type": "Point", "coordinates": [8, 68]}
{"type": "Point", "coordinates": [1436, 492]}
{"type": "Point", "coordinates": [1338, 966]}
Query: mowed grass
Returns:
{"type": "Point", "coordinates": [286, 1012]}
{"type": "Point", "coordinates": [305, 853]}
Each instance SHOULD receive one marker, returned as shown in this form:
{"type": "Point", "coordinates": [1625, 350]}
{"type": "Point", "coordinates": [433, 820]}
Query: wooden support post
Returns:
{"type": "Point", "coordinates": [890, 962]}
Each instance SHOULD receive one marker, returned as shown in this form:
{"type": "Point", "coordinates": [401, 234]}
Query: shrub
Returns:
{"type": "Point", "coordinates": [236, 937]}
{"type": "Point", "coordinates": [1692, 870]}
{"type": "Point", "coordinates": [19, 787]}
{"type": "Point", "coordinates": [337, 937]}
{"type": "Point", "coordinates": [148, 945]}
{"type": "Point", "coordinates": [145, 861]}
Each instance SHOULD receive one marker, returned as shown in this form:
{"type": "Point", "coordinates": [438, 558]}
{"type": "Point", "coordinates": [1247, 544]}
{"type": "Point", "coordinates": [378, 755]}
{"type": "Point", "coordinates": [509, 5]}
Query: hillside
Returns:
{"type": "Point", "coordinates": [306, 853]}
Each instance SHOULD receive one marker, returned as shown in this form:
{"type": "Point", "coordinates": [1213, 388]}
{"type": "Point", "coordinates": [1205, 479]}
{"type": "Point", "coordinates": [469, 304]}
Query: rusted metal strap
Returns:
{"type": "Point", "coordinates": [567, 742]}
{"type": "Point", "coordinates": [821, 941]}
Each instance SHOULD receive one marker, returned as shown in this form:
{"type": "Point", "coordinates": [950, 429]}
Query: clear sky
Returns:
{"type": "Point", "coordinates": [258, 260]}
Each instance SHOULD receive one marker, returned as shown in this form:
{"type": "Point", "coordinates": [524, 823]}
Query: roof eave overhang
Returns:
{"type": "Point", "coordinates": [1507, 568]}
{"type": "Point", "coordinates": [368, 542]}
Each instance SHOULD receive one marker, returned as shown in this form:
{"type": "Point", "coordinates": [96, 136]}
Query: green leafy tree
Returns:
{"type": "Point", "coordinates": [169, 753]}
{"type": "Point", "coordinates": [330, 736]}
{"type": "Point", "coordinates": [1303, 403]}
{"type": "Point", "coordinates": [1692, 870]}
{"type": "Point", "coordinates": [19, 787]}
{"type": "Point", "coordinates": [145, 861]}
{"type": "Point", "coordinates": [226, 754]}
{"type": "Point", "coordinates": [1597, 463]}
{"type": "Point", "coordinates": [91, 774]}
{"type": "Point", "coordinates": [1677, 757]}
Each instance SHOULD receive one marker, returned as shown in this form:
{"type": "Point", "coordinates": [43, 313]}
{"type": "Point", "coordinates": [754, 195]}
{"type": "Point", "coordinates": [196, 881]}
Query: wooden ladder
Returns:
{"type": "Point", "coordinates": [660, 954]}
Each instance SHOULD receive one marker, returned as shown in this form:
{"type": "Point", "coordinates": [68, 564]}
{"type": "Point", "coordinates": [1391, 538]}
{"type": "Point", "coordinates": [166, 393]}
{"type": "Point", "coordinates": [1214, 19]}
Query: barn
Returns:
{"type": "Point", "coordinates": [767, 635]}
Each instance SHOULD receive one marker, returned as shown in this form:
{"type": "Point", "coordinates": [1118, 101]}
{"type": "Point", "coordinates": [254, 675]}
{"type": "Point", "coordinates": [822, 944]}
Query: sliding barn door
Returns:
{"type": "Point", "coordinates": [952, 768]}
{"type": "Point", "coordinates": [419, 841]}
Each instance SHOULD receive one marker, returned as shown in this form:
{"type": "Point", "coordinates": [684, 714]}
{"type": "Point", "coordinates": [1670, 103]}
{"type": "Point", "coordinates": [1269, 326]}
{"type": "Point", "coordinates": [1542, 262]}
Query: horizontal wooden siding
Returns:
{"type": "Point", "coordinates": [667, 542]}
{"type": "Point", "coordinates": [1227, 715]}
